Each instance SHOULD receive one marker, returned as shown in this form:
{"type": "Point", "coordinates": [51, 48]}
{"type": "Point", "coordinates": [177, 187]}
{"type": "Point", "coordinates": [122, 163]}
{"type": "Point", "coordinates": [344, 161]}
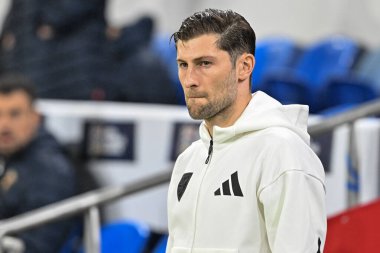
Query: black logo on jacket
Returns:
{"type": "Point", "coordinates": [183, 184]}
{"type": "Point", "coordinates": [226, 187]}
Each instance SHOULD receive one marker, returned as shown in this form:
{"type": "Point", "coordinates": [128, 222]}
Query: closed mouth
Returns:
{"type": "Point", "coordinates": [196, 96]}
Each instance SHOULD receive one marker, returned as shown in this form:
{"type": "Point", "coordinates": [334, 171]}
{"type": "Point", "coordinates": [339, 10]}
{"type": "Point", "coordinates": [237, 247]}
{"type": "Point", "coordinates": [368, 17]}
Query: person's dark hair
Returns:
{"type": "Point", "coordinates": [10, 83]}
{"type": "Point", "coordinates": [236, 35]}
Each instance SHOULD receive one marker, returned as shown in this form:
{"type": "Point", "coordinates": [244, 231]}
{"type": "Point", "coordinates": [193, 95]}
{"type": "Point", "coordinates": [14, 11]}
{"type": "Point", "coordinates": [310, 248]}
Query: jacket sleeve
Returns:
{"type": "Point", "coordinates": [51, 185]}
{"type": "Point", "coordinates": [294, 211]}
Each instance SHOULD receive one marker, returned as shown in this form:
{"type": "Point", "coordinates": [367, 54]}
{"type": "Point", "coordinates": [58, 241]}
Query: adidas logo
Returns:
{"type": "Point", "coordinates": [226, 190]}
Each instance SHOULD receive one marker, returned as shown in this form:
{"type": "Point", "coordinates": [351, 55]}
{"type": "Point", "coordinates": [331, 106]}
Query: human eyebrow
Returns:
{"type": "Point", "coordinates": [204, 59]}
{"type": "Point", "coordinates": [181, 63]}
{"type": "Point", "coordinates": [180, 60]}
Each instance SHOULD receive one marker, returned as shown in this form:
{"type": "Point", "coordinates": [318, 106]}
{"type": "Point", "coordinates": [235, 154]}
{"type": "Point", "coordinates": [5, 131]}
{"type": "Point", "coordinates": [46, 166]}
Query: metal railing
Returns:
{"type": "Point", "coordinates": [366, 109]}
{"type": "Point", "coordinates": [88, 203]}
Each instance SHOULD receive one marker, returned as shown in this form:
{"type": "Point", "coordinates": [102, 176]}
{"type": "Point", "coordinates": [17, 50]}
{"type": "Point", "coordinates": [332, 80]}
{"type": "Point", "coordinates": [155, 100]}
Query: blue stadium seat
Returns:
{"type": "Point", "coordinates": [287, 92]}
{"type": "Point", "coordinates": [273, 55]}
{"type": "Point", "coordinates": [369, 68]}
{"type": "Point", "coordinates": [167, 52]}
{"type": "Point", "coordinates": [124, 237]}
{"type": "Point", "coordinates": [323, 61]}
{"type": "Point", "coordinates": [345, 92]}
{"type": "Point", "coordinates": [330, 58]}
{"type": "Point", "coordinates": [161, 245]}
{"type": "Point", "coordinates": [333, 111]}
{"type": "Point", "coordinates": [116, 237]}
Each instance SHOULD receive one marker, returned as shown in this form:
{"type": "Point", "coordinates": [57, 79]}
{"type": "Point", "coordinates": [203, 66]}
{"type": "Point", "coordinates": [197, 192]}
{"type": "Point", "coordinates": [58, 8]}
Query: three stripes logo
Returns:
{"type": "Point", "coordinates": [225, 188]}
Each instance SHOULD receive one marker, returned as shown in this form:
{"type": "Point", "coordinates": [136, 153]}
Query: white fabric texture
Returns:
{"type": "Point", "coordinates": [261, 191]}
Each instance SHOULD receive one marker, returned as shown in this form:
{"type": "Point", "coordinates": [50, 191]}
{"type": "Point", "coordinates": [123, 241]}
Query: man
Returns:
{"type": "Point", "coordinates": [36, 171]}
{"type": "Point", "coordinates": [251, 183]}
{"type": "Point", "coordinates": [47, 39]}
{"type": "Point", "coordinates": [134, 64]}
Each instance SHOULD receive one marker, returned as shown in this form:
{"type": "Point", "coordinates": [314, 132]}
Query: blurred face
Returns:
{"type": "Point", "coordinates": [18, 121]}
{"type": "Point", "coordinates": [207, 76]}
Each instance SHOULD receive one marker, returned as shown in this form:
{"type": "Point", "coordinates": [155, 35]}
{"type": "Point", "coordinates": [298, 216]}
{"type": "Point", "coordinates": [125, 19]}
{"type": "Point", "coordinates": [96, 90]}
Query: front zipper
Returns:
{"type": "Point", "coordinates": [210, 149]}
{"type": "Point", "coordinates": [208, 160]}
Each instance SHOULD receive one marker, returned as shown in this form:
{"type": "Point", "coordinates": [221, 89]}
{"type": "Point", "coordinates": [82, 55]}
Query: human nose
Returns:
{"type": "Point", "coordinates": [190, 77]}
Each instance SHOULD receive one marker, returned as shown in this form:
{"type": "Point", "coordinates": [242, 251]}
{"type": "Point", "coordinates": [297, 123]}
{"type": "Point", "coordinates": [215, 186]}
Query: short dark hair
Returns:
{"type": "Point", "coordinates": [12, 82]}
{"type": "Point", "coordinates": [236, 34]}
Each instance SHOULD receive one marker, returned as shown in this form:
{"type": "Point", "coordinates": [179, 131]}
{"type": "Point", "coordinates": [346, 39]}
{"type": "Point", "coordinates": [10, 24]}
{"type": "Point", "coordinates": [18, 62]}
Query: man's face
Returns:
{"type": "Point", "coordinates": [207, 76]}
{"type": "Point", "coordinates": [18, 121]}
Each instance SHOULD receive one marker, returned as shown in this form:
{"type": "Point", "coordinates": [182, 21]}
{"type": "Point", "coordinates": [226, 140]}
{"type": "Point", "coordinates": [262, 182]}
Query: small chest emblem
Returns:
{"type": "Point", "coordinates": [183, 184]}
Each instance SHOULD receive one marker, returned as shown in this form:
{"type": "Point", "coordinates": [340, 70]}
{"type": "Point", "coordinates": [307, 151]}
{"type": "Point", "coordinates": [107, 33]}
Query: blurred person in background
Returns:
{"type": "Point", "coordinates": [58, 44]}
{"type": "Point", "coordinates": [251, 183]}
{"type": "Point", "coordinates": [136, 73]}
{"type": "Point", "coordinates": [36, 172]}
{"type": "Point", "coordinates": [67, 49]}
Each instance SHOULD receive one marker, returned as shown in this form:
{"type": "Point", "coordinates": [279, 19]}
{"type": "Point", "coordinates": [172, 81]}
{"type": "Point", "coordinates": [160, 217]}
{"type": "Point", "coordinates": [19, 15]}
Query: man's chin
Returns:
{"type": "Point", "coordinates": [198, 115]}
{"type": "Point", "coordinates": [195, 115]}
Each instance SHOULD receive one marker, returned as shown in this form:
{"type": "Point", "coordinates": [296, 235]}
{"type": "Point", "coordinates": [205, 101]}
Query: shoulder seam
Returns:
{"type": "Point", "coordinates": [286, 172]}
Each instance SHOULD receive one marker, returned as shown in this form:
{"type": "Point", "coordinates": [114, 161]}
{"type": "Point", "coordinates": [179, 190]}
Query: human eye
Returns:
{"type": "Point", "coordinates": [182, 65]}
{"type": "Point", "coordinates": [205, 63]}
{"type": "Point", "coordinates": [14, 114]}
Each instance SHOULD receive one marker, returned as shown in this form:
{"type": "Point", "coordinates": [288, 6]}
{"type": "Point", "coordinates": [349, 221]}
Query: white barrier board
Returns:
{"type": "Point", "coordinates": [124, 142]}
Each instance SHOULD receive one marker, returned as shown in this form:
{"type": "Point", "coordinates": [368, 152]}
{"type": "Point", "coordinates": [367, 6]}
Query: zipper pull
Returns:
{"type": "Point", "coordinates": [209, 152]}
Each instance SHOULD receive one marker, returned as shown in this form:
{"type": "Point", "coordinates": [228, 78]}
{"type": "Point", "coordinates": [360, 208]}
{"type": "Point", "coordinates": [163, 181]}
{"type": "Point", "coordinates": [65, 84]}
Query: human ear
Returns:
{"type": "Point", "coordinates": [245, 65]}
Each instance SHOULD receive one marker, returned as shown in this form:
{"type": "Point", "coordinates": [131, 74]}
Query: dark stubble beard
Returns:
{"type": "Point", "coordinates": [222, 99]}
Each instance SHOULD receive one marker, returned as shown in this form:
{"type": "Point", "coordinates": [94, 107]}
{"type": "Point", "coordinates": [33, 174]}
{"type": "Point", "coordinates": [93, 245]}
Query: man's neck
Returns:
{"type": "Point", "coordinates": [229, 116]}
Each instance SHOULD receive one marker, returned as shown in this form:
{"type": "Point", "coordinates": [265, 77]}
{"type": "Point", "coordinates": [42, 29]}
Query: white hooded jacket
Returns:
{"type": "Point", "coordinates": [258, 189]}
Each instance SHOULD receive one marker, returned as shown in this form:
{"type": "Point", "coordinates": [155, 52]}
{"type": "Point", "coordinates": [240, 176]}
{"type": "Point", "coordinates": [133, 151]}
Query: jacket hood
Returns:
{"type": "Point", "coordinates": [262, 112]}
